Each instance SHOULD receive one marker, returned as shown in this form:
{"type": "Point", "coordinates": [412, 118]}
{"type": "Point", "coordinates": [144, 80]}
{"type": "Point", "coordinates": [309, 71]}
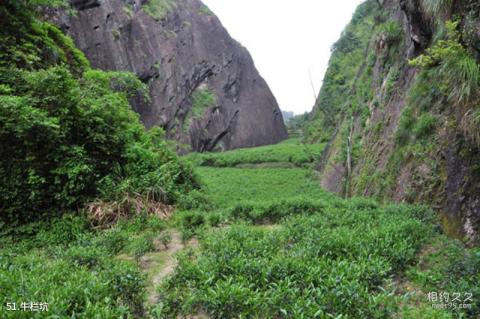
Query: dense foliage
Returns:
{"type": "Point", "coordinates": [67, 133]}
{"type": "Point", "coordinates": [296, 125]}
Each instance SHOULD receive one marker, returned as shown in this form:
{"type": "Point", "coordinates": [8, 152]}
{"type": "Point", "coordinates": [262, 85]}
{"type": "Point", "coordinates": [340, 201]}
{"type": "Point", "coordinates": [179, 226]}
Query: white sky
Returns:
{"type": "Point", "coordinates": [287, 40]}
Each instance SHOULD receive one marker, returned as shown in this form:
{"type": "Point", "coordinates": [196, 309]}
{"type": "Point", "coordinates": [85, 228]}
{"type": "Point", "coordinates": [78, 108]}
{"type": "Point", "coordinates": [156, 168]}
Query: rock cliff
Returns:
{"type": "Point", "coordinates": [205, 89]}
{"type": "Point", "coordinates": [404, 128]}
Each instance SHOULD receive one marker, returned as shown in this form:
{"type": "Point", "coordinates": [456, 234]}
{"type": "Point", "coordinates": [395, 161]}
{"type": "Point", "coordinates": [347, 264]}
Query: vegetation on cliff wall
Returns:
{"type": "Point", "coordinates": [400, 93]}
{"type": "Point", "coordinates": [339, 94]}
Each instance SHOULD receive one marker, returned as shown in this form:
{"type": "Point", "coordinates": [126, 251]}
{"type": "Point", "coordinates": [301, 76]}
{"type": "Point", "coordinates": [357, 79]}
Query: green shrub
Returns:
{"type": "Point", "coordinates": [426, 93]}
{"type": "Point", "coordinates": [67, 133]}
{"type": "Point", "coordinates": [165, 238]}
{"type": "Point", "coordinates": [116, 291]}
{"type": "Point", "coordinates": [156, 224]}
{"type": "Point", "coordinates": [128, 286]}
{"type": "Point", "coordinates": [424, 126]}
{"type": "Point", "coordinates": [191, 219]}
{"type": "Point", "coordinates": [91, 145]}
{"type": "Point", "coordinates": [392, 31]}
{"type": "Point", "coordinates": [454, 67]}
{"type": "Point", "coordinates": [62, 231]}
{"type": "Point", "coordinates": [201, 100]}
{"type": "Point", "coordinates": [195, 200]}
{"type": "Point", "coordinates": [448, 266]}
{"type": "Point", "coordinates": [113, 241]}
{"type": "Point", "coordinates": [206, 11]}
{"type": "Point", "coordinates": [215, 219]}
{"type": "Point", "coordinates": [275, 211]}
{"type": "Point", "coordinates": [159, 9]}
{"type": "Point", "coordinates": [437, 8]}
{"type": "Point", "coordinates": [141, 245]}
{"type": "Point", "coordinates": [85, 256]}
{"type": "Point", "coordinates": [27, 42]}
{"type": "Point", "coordinates": [141, 223]}
{"type": "Point", "coordinates": [405, 127]}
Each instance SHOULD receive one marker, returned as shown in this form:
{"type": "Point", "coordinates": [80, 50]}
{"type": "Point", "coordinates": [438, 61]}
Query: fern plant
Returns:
{"type": "Point", "coordinates": [458, 71]}
{"type": "Point", "coordinates": [457, 76]}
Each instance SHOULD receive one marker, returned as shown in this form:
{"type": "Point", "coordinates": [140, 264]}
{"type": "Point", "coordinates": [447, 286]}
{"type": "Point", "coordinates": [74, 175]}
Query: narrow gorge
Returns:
{"type": "Point", "coordinates": [147, 170]}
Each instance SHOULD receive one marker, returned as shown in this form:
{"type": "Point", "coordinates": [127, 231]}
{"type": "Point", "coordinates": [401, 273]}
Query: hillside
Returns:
{"type": "Point", "coordinates": [399, 108]}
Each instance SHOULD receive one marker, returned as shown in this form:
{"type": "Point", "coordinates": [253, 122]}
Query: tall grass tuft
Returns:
{"type": "Point", "coordinates": [437, 8]}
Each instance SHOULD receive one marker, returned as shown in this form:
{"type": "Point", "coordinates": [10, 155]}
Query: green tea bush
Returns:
{"type": "Point", "coordinates": [273, 212]}
{"type": "Point", "coordinates": [448, 266]}
{"type": "Point", "coordinates": [191, 223]}
{"type": "Point", "coordinates": [85, 256]}
{"type": "Point", "coordinates": [54, 236]}
{"type": "Point", "coordinates": [128, 286]}
{"type": "Point", "coordinates": [330, 264]}
{"type": "Point", "coordinates": [113, 241]}
{"type": "Point", "coordinates": [216, 218]}
{"type": "Point", "coordinates": [228, 187]}
{"type": "Point", "coordinates": [194, 200]}
{"type": "Point", "coordinates": [290, 151]}
{"type": "Point", "coordinates": [61, 231]}
{"type": "Point", "coordinates": [141, 245]}
{"type": "Point", "coordinates": [156, 224]}
{"type": "Point", "coordinates": [165, 238]}
{"type": "Point", "coordinates": [136, 224]}
{"type": "Point", "coordinates": [111, 290]}
{"type": "Point", "coordinates": [191, 219]}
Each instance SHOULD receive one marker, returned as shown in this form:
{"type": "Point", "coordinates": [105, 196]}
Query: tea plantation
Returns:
{"type": "Point", "coordinates": [268, 243]}
{"type": "Point", "coordinates": [273, 244]}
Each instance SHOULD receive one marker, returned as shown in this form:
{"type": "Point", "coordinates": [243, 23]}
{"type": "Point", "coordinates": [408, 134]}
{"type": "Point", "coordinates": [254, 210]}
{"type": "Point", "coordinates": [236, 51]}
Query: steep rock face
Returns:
{"type": "Point", "coordinates": [205, 89]}
{"type": "Point", "coordinates": [395, 135]}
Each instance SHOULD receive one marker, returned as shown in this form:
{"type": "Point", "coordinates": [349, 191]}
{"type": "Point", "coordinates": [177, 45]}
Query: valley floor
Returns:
{"type": "Point", "coordinates": [262, 241]}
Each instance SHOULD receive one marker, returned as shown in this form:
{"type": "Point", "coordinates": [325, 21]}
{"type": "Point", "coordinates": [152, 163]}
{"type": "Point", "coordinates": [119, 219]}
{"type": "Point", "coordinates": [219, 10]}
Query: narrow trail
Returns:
{"type": "Point", "coordinates": [168, 266]}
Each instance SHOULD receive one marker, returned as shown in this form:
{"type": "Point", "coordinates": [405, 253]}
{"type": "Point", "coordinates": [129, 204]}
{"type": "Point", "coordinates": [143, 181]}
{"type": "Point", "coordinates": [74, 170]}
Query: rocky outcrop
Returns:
{"type": "Point", "coordinates": [205, 89]}
{"type": "Point", "coordinates": [418, 26]}
{"type": "Point", "coordinates": [439, 168]}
